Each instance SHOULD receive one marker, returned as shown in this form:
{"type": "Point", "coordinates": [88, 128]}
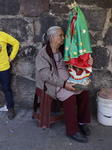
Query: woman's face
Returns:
{"type": "Point", "coordinates": [59, 38]}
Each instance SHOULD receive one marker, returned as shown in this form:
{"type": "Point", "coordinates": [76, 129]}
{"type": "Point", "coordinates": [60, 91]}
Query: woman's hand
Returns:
{"type": "Point", "coordinates": [90, 61]}
{"type": "Point", "coordinates": [69, 86]}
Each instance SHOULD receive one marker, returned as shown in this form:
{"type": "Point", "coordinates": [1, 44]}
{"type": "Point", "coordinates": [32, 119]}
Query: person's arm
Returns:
{"type": "Point", "coordinates": [90, 61]}
{"type": "Point", "coordinates": [43, 70]}
{"type": "Point", "coordinates": [15, 45]}
{"type": "Point", "coordinates": [47, 75]}
{"type": "Point", "coordinates": [69, 86]}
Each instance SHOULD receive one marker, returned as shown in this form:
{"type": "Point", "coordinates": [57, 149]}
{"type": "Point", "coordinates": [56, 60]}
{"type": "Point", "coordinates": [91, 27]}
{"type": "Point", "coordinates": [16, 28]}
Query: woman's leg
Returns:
{"type": "Point", "coordinates": [69, 106]}
{"type": "Point", "coordinates": [83, 107]}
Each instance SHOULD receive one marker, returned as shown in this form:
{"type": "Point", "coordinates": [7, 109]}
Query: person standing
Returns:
{"type": "Point", "coordinates": [5, 75]}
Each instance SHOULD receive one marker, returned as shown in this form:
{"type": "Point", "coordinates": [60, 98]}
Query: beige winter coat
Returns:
{"type": "Point", "coordinates": [47, 77]}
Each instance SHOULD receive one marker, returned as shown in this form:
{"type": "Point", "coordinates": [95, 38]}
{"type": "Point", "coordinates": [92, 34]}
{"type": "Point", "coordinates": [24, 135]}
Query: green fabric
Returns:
{"type": "Point", "coordinates": [80, 42]}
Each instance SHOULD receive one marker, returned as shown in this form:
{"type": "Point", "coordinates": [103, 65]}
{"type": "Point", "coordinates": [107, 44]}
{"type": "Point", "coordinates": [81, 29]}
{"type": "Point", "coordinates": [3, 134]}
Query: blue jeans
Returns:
{"type": "Point", "coordinates": [5, 80]}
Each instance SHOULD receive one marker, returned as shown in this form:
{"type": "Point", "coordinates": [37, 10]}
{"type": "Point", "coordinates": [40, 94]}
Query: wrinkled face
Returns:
{"type": "Point", "coordinates": [59, 38]}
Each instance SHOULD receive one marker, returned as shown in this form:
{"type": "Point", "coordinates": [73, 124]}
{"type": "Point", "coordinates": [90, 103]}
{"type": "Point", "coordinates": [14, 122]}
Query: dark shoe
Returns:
{"type": "Point", "coordinates": [11, 113]}
{"type": "Point", "coordinates": [84, 129]}
{"type": "Point", "coordinates": [79, 137]}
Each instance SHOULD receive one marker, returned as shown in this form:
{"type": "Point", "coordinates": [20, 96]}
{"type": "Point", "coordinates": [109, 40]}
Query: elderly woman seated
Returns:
{"type": "Point", "coordinates": [52, 75]}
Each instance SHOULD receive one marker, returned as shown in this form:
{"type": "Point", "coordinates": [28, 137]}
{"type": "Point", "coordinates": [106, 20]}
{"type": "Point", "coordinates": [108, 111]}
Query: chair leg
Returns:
{"type": "Point", "coordinates": [44, 117]}
{"type": "Point", "coordinates": [48, 112]}
{"type": "Point", "coordinates": [35, 106]}
{"type": "Point", "coordinates": [35, 103]}
{"type": "Point", "coordinates": [45, 112]}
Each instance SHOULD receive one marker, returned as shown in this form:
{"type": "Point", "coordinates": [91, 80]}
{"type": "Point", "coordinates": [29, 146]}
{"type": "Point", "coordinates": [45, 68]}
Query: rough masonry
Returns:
{"type": "Point", "coordinates": [27, 20]}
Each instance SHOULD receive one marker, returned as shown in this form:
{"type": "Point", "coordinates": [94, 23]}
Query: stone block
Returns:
{"type": "Point", "coordinates": [100, 57]}
{"type": "Point", "coordinates": [96, 36]}
{"type": "Point", "coordinates": [59, 0]}
{"type": "Point", "coordinates": [23, 68]}
{"type": "Point", "coordinates": [69, 1]}
{"type": "Point", "coordinates": [23, 91]}
{"type": "Point", "coordinates": [16, 27]}
{"type": "Point", "coordinates": [101, 78]}
{"type": "Point", "coordinates": [45, 22]}
{"type": "Point", "coordinates": [28, 53]}
{"type": "Point", "coordinates": [108, 37]}
{"type": "Point", "coordinates": [93, 96]}
{"type": "Point", "coordinates": [9, 7]}
{"type": "Point", "coordinates": [95, 18]}
{"type": "Point", "coordinates": [57, 8]}
{"type": "Point", "coordinates": [104, 3]}
{"type": "Point", "coordinates": [87, 2]}
{"type": "Point", "coordinates": [34, 8]}
{"type": "Point", "coordinates": [99, 3]}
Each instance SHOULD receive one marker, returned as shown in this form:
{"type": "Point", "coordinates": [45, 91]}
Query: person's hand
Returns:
{"type": "Point", "coordinates": [69, 86]}
{"type": "Point", "coordinates": [10, 60]}
{"type": "Point", "coordinates": [90, 61]}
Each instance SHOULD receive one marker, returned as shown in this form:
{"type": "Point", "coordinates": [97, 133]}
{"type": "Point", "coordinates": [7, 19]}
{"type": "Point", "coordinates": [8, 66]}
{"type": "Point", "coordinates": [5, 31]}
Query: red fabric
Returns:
{"type": "Point", "coordinates": [78, 71]}
{"type": "Point", "coordinates": [80, 62]}
{"type": "Point", "coordinates": [72, 26]}
{"type": "Point", "coordinates": [83, 111]}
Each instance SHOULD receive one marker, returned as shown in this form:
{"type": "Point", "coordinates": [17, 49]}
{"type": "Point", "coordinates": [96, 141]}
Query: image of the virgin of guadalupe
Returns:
{"type": "Point", "coordinates": [78, 49]}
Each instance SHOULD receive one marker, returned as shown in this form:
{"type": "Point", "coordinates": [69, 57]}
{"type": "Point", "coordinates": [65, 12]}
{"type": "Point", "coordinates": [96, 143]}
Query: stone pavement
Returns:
{"type": "Point", "coordinates": [23, 133]}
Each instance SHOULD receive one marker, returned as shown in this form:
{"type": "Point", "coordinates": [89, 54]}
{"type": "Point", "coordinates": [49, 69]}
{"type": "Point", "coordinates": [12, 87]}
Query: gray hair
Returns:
{"type": "Point", "coordinates": [47, 36]}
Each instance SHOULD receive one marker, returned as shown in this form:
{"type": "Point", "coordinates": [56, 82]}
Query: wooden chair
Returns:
{"type": "Point", "coordinates": [44, 116]}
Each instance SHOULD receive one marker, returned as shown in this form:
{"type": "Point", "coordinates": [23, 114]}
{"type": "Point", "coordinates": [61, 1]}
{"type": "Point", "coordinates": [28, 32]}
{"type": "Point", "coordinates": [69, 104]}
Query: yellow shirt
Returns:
{"type": "Point", "coordinates": [4, 58]}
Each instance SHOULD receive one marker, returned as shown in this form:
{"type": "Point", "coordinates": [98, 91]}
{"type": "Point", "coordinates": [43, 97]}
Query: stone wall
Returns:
{"type": "Point", "coordinates": [27, 20]}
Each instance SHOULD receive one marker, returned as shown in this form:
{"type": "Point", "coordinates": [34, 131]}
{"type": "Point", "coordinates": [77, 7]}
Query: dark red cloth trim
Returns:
{"type": "Point", "coordinates": [58, 90]}
{"type": "Point", "coordinates": [64, 84]}
{"type": "Point", "coordinates": [45, 88]}
{"type": "Point", "coordinates": [72, 26]}
{"type": "Point", "coordinates": [49, 50]}
{"type": "Point", "coordinates": [50, 53]}
{"type": "Point", "coordinates": [59, 60]}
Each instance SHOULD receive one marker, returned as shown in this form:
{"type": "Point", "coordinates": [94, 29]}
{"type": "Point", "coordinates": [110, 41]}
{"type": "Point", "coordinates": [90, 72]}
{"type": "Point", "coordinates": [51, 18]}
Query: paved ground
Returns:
{"type": "Point", "coordinates": [23, 133]}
